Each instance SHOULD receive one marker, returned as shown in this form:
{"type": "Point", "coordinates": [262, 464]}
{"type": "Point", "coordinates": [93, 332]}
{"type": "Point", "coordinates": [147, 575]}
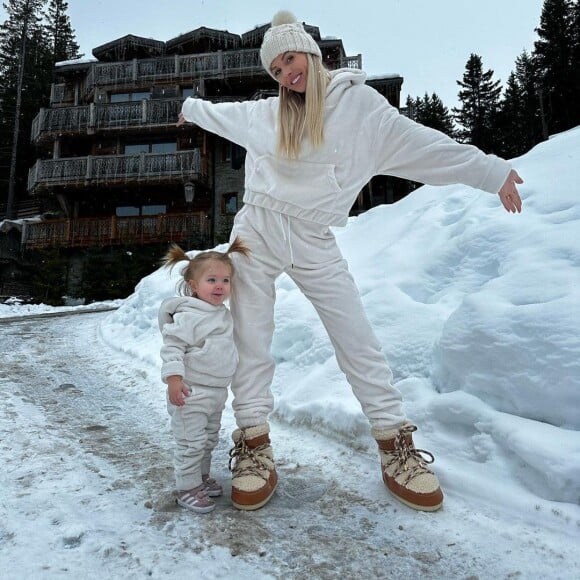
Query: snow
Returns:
{"type": "Point", "coordinates": [477, 311]}
{"type": "Point", "coordinates": [75, 61]}
{"type": "Point", "coordinates": [6, 225]}
{"type": "Point", "coordinates": [15, 307]}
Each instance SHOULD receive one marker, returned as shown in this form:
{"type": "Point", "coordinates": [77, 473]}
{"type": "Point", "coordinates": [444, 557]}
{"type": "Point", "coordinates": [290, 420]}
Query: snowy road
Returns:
{"type": "Point", "coordinates": [86, 488]}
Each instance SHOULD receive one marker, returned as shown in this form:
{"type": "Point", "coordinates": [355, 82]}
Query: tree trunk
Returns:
{"type": "Point", "coordinates": [11, 201]}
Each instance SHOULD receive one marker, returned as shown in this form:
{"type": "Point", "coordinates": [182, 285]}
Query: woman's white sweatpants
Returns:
{"type": "Point", "coordinates": [196, 427]}
{"type": "Point", "coordinates": [308, 253]}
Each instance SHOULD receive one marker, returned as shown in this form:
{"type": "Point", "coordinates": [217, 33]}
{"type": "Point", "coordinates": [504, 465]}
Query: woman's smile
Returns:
{"type": "Point", "coordinates": [290, 69]}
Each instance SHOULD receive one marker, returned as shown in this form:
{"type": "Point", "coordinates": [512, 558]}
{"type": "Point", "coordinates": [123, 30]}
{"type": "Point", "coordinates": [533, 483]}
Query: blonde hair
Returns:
{"type": "Point", "coordinates": [196, 265]}
{"type": "Point", "coordinates": [303, 114]}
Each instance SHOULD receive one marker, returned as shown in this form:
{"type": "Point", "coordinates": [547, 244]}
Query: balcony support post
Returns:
{"type": "Point", "coordinates": [113, 228]}
{"type": "Point", "coordinates": [92, 116]}
{"type": "Point", "coordinates": [89, 167]}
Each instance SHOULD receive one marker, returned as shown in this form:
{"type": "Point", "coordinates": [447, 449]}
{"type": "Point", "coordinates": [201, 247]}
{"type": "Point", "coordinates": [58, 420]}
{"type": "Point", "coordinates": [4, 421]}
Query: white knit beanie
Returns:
{"type": "Point", "coordinates": [286, 35]}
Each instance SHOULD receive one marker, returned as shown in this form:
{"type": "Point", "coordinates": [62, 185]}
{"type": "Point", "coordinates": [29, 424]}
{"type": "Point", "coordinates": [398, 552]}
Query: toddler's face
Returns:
{"type": "Point", "coordinates": [213, 284]}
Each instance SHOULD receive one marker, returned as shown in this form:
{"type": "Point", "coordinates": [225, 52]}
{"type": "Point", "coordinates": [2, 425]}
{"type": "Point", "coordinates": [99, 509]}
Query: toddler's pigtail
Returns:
{"type": "Point", "coordinates": [238, 247]}
{"type": "Point", "coordinates": [174, 255]}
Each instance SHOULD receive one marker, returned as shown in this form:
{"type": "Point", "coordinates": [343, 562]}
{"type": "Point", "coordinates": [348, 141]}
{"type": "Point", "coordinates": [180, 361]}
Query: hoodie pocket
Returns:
{"type": "Point", "coordinates": [217, 358]}
{"type": "Point", "coordinates": [301, 183]}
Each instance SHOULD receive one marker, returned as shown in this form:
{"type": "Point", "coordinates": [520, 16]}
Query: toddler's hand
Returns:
{"type": "Point", "coordinates": [177, 392]}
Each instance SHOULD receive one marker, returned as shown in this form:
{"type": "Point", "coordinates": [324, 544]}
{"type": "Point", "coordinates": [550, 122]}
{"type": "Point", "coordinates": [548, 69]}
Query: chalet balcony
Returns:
{"type": "Point", "coordinates": [173, 68]}
{"type": "Point", "coordinates": [116, 170]}
{"type": "Point", "coordinates": [185, 229]}
{"type": "Point", "coordinates": [104, 117]}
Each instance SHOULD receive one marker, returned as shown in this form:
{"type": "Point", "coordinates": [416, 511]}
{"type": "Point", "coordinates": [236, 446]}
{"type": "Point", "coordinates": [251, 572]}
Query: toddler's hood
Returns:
{"type": "Point", "coordinates": [171, 306]}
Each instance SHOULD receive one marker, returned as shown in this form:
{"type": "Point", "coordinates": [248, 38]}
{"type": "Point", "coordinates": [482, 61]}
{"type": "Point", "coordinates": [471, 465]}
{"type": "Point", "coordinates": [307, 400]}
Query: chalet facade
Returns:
{"type": "Point", "coordinates": [113, 170]}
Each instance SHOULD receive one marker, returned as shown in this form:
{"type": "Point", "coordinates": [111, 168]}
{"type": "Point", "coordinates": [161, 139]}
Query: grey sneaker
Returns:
{"type": "Point", "coordinates": [211, 486]}
{"type": "Point", "coordinates": [195, 500]}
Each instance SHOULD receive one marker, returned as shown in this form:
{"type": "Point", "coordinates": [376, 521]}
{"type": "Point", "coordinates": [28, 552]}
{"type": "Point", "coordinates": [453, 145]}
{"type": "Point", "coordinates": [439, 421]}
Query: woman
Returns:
{"type": "Point", "coordinates": [309, 153]}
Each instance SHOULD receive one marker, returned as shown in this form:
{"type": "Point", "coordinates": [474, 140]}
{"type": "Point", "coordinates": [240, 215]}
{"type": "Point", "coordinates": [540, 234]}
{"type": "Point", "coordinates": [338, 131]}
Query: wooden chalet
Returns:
{"type": "Point", "coordinates": [115, 166]}
{"type": "Point", "coordinates": [115, 177]}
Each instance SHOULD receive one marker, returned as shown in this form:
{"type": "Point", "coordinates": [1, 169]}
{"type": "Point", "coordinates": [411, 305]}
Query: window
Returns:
{"type": "Point", "coordinates": [140, 96]}
{"type": "Point", "coordinates": [153, 209]}
{"type": "Point", "coordinates": [119, 98]}
{"type": "Point", "coordinates": [126, 97]}
{"type": "Point", "coordinates": [131, 210]}
{"type": "Point", "coordinates": [127, 211]}
{"type": "Point", "coordinates": [229, 203]}
{"type": "Point", "coordinates": [170, 147]}
{"type": "Point", "coordinates": [135, 148]}
{"type": "Point", "coordinates": [196, 90]}
{"type": "Point", "coordinates": [159, 92]}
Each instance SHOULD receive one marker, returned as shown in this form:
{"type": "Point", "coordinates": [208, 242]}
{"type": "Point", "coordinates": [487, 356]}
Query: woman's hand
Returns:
{"type": "Point", "coordinates": [508, 194]}
{"type": "Point", "coordinates": [181, 120]}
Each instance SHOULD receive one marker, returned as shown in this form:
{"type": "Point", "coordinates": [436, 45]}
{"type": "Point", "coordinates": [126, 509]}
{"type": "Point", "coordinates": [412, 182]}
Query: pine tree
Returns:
{"type": "Point", "coordinates": [431, 112]}
{"type": "Point", "coordinates": [60, 33]}
{"type": "Point", "coordinates": [575, 62]}
{"type": "Point", "coordinates": [511, 120]}
{"type": "Point", "coordinates": [437, 115]}
{"type": "Point", "coordinates": [411, 106]}
{"type": "Point", "coordinates": [29, 48]}
{"type": "Point", "coordinates": [519, 119]}
{"type": "Point", "coordinates": [22, 52]}
{"type": "Point", "coordinates": [480, 98]}
{"type": "Point", "coordinates": [527, 78]}
{"type": "Point", "coordinates": [553, 55]}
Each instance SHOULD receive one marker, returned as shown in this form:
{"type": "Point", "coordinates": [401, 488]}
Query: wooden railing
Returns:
{"type": "Point", "coordinates": [187, 66]}
{"type": "Point", "coordinates": [191, 228]}
{"type": "Point", "coordinates": [172, 68]}
{"type": "Point", "coordinates": [116, 169]}
{"type": "Point", "coordinates": [107, 116]}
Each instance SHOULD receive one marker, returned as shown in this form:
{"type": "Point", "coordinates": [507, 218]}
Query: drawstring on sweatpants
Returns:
{"type": "Point", "coordinates": [287, 239]}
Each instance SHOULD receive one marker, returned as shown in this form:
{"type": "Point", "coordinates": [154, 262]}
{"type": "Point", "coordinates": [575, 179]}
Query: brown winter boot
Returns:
{"type": "Point", "coordinates": [404, 469]}
{"type": "Point", "coordinates": [254, 476]}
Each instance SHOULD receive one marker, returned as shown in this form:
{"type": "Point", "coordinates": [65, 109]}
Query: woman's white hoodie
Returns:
{"type": "Point", "coordinates": [363, 136]}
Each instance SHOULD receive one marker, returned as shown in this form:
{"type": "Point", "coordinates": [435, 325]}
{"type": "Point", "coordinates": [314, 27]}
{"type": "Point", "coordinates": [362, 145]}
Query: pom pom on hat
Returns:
{"type": "Point", "coordinates": [283, 17]}
{"type": "Point", "coordinates": [286, 35]}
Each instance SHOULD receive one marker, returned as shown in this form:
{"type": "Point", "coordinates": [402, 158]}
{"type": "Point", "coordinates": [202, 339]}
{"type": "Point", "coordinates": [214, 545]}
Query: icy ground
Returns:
{"type": "Point", "coordinates": [86, 489]}
{"type": "Point", "coordinates": [477, 312]}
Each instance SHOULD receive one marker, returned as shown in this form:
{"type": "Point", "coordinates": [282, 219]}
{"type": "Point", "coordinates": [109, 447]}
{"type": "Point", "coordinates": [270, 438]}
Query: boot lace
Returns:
{"type": "Point", "coordinates": [409, 461]}
{"type": "Point", "coordinates": [246, 460]}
